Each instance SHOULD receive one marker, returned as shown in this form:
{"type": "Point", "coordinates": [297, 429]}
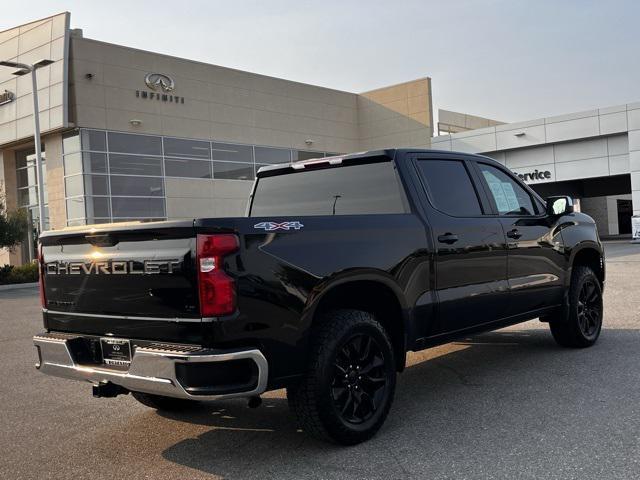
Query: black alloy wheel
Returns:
{"type": "Point", "coordinates": [347, 390]}
{"type": "Point", "coordinates": [359, 383]}
{"type": "Point", "coordinates": [589, 309]}
{"type": "Point", "coordinates": [579, 324]}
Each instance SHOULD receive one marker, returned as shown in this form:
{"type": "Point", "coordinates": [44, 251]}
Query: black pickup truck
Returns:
{"type": "Point", "coordinates": [341, 266]}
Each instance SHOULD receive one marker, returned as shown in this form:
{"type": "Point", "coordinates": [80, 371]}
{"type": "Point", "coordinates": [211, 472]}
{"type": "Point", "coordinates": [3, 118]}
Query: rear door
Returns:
{"type": "Point", "coordinates": [535, 255]}
{"type": "Point", "coordinates": [470, 253]}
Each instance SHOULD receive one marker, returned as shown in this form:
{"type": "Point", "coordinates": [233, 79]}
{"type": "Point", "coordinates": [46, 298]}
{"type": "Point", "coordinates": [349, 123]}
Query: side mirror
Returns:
{"type": "Point", "coordinates": [559, 205]}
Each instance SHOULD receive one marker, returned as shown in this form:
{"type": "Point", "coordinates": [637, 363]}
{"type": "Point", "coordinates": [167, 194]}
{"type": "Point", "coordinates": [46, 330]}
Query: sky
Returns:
{"type": "Point", "coordinates": [507, 60]}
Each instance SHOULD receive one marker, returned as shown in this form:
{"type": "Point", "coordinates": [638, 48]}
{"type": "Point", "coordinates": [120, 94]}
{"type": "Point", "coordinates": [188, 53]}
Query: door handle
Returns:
{"type": "Point", "coordinates": [448, 238]}
{"type": "Point", "coordinates": [515, 234]}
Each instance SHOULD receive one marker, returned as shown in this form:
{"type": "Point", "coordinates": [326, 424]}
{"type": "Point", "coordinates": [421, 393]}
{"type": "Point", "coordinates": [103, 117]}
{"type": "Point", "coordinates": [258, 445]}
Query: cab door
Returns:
{"type": "Point", "coordinates": [470, 252]}
{"type": "Point", "coordinates": [536, 262]}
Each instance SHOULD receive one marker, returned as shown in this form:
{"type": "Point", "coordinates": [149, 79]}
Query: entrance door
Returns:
{"type": "Point", "coordinates": [625, 211]}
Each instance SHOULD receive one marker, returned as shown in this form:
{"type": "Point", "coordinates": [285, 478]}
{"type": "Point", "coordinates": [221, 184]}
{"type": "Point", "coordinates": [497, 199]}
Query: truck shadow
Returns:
{"type": "Point", "coordinates": [484, 394]}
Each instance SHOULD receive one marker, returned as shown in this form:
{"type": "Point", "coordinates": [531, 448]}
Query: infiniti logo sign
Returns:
{"type": "Point", "coordinates": [161, 86]}
{"type": "Point", "coordinates": [161, 81]}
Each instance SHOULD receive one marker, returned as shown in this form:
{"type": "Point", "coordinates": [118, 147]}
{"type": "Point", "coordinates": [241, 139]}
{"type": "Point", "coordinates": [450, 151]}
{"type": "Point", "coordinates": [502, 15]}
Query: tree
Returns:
{"type": "Point", "coordinates": [13, 224]}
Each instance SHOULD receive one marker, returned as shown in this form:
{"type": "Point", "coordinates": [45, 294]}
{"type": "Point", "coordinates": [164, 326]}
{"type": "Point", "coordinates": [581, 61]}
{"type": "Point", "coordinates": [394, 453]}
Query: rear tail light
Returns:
{"type": "Point", "coordinates": [217, 289]}
{"type": "Point", "coordinates": [43, 298]}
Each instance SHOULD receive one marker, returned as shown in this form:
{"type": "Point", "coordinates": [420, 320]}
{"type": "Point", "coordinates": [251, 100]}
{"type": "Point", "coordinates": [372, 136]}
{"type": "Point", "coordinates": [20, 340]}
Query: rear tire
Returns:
{"type": "Point", "coordinates": [164, 404]}
{"type": "Point", "coordinates": [580, 324]}
{"type": "Point", "coordinates": [350, 382]}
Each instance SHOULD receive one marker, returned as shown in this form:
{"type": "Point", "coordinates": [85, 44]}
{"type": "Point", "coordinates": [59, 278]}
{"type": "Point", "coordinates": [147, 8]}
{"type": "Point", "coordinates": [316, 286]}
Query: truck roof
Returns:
{"type": "Point", "coordinates": [351, 158]}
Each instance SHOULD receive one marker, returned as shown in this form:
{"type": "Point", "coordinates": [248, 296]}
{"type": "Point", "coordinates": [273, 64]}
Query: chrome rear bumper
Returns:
{"type": "Point", "coordinates": [152, 369]}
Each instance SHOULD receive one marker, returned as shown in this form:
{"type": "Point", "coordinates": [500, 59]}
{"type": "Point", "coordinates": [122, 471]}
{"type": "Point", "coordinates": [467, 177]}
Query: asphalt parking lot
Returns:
{"type": "Point", "coordinates": [508, 404]}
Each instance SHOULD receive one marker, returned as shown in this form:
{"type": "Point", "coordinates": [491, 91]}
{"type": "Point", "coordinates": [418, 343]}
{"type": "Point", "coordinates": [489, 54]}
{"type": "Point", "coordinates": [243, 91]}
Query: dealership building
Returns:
{"type": "Point", "coordinates": [593, 156]}
{"type": "Point", "coordinates": [130, 134]}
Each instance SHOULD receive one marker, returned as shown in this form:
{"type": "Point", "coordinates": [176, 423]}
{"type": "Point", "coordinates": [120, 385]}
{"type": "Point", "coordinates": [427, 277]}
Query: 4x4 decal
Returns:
{"type": "Point", "coordinates": [271, 226]}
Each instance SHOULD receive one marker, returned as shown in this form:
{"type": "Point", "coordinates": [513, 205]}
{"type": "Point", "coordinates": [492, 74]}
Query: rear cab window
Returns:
{"type": "Point", "coordinates": [363, 189]}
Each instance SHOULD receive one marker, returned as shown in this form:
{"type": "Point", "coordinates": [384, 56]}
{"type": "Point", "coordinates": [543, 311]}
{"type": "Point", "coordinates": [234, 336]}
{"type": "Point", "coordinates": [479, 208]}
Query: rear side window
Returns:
{"type": "Point", "coordinates": [371, 188]}
{"type": "Point", "coordinates": [450, 187]}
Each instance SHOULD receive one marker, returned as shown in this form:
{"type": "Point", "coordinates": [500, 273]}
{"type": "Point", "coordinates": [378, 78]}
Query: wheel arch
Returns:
{"type": "Point", "coordinates": [374, 293]}
{"type": "Point", "coordinates": [589, 255]}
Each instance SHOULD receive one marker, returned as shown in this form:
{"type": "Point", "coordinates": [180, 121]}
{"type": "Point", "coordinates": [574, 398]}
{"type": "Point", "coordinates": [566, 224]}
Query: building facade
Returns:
{"type": "Point", "coordinates": [129, 134]}
{"type": "Point", "coordinates": [594, 156]}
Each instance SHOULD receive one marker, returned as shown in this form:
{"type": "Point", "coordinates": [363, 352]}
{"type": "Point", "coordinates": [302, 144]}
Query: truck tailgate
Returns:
{"type": "Point", "coordinates": [141, 270]}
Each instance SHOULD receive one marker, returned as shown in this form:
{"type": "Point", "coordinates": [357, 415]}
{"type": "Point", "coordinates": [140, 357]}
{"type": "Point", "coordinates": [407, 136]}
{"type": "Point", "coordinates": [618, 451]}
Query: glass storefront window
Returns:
{"type": "Point", "coordinates": [27, 196]}
{"type": "Point", "coordinates": [230, 152]}
{"type": "Point", "coordinates": [98, 207]}
{"type": "Point", "coordinates": [177, 147]}
{"type": "Point", "coordinates": [96, 184]}
{"type": "Point", "coordinates": [133, 143]}
{"type": "Point", "coordinates": [306, 155]}
{"type": "Point", "coordinates": [87, 162]}
{"type": "Point", "coordinates": [124, 186]}
{"type": "Point", "coordinates": [134, 165]}
{"type": "Point", "coordinates": [182, 167]}
{"type": "Point", "coordinates": [94, 162]}
{"type": "Point", "coordinates": [233, 171]}
{"type": "Point", "coordinates": [75, 208]}
{"type": "Point", "coordinates": [94, 140]}
{"type": "Point", "coordinates": [74, 186]}
{"type": "Point", "coordinates": [116, 176]}
{"type": "Point", "coordinates": [94, 221]}
{"type": "Point", "coordinates": [71, 142]}
{"type": "Point", "coordinates": [129, 208]}
{"type": "Point", "coordinates": [272, 155]}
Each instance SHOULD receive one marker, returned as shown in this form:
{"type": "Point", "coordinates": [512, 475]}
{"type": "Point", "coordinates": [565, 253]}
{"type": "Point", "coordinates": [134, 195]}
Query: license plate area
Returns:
{"type": "Point", "coordinates": [116, 351]}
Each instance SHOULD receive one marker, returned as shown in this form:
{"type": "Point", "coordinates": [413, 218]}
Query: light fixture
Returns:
{"type": "Point", "coordinates": [308, 141]}
{"type": "Point", "coordinates": [23, 69]}
{"type": "Point", "coordinates": [135, 122]}
{"type": "Point", "coordinates": [42, 63]}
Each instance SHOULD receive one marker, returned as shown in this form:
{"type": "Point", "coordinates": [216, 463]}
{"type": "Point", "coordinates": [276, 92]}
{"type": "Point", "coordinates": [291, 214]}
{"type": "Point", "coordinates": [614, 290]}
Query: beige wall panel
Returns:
{"type": "Point", "coordinates": [42, 39]}
{"type": "Point", "coordinates": [55, 181]}
{"type": "Point", "coordinates": [230, 207]}
{"type": "Point", "coordinates": [188, 187]}
{"type": "Point", "coordinates": [388, 115]}
{"type": "Point", "coordinates": [93, 95]}
{"type": "Point", "coordinates": [190, 208]}
{"type": "Point", "coordinates": [92, 117]}
{"type": "Point", "coordinates": [613, 123]}
{"type": "Point", "coordinates": [9, 50]}
{"type": "Point", "coordinates": [120, 120]}
{"type": "Point", "coordinates": [238, 189]}
{"type": "Point", "coordinates": [220, 104]}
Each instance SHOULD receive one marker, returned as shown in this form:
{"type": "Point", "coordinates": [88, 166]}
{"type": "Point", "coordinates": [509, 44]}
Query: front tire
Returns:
{"type": "Point", "coordinates": [581, 323]}
{"type": "Point", "coordinates": [350, 381]}
{"type": "Point", "coordinates": [164, 404]}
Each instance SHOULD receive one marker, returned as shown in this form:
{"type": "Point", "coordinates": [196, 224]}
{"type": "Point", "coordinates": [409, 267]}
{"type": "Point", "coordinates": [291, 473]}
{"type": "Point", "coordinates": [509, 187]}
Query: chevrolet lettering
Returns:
{"type": "Point", "coordinates": [125, 267]}
{"type": "Point", "coordinates": [340, 267]}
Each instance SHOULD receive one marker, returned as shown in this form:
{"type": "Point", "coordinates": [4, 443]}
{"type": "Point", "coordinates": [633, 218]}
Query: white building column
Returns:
{"type": "Point", "coordinates": [633, 117]}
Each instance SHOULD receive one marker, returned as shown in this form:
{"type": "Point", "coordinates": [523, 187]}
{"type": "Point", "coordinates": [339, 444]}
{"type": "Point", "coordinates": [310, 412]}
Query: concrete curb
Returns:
{"type": "Point", "coordinates": [17, 286]}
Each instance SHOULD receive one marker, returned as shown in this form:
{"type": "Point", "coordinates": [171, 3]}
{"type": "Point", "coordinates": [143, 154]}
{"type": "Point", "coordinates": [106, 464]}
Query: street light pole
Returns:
{"type": "Point", "coordinates": [23, 69]}
{"type": "Point", "coordinates": [38, 144]}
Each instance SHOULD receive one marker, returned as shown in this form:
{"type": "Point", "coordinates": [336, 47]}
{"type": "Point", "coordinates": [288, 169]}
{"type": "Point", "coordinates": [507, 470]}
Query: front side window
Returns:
{"type": "Point", "coordinates": [509, 197]}
{"type": "Point", "coordinates": [450, 187]}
